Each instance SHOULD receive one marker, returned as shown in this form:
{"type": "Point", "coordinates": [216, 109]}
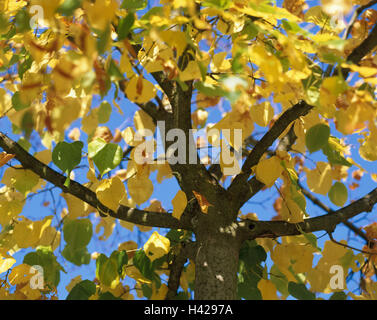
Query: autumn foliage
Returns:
{"type": "Point", "coordinates": [296, 80]}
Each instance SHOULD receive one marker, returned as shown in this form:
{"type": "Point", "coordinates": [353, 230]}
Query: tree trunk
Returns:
{"type": "Point", "coordinates": [216, 267]}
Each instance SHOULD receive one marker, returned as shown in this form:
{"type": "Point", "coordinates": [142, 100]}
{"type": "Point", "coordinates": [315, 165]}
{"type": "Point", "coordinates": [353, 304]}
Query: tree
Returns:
{"type": "Point", "coordinates": [292, 111]}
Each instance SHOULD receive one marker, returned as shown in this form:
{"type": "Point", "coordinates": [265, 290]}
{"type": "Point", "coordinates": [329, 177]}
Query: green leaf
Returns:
{"type": "Point", "coordinates": [106, 270]}
{"type": "Point", "coordinates": [245, 291]}
{"type": "Point", "coordinates": [22, 21]}
{"type": "Point", "coordinates": [146, 267]}
{"type": "Point", "coordinates": [317, 137]}
{"type": "Point", "coordinates": [106, 156]}
{"type": "Point", "coordinates": [78, 232]}
{"type": "Point", "coordinates": [22, 68]}
{"type": "Point", "coordinates": [331, 151]}
{"type": "Point", "coordinates": [17, 104]}
{"type": "Point", "coordinates": [45, 258]}
{"type": "Point", "coordinates": [175, 236]}
{"type": "Point", "coordinates": [247, 282]}
{"type": "Point", "coordinates": [147, 290]}
{"type": "Point", "coordinates": [25, 180]}
{"type": "Point", "coordinates": [312, 239]}
{"type": "Point", "coordinates": [77, 256]}
{"type": "Point", "coordinates": [252, 255]}
{"type": "Point", "coordinates": [25, 144]}
{"type": "Point", "coordinates": [125, 26]}
{"type": "Point", "coordinates": [68, 7]}
{"type": "Point", "coordinates": [108, 296]}
{"type": "Point", "coordinates": [338, 296]}
{"type": "Point", "coordinates": [209, 89]}
{"type": "Point", "coordinates": [144, 264]}
{"type": "Point", "coordinates": [122, 260]}
{"type": "Point", "coordinates": [3, 23]}
{"type": "Point", "coordinates": [114, 72]}
{"type": "Point", "coordinates": [103, 39]}
{"type": "Point", "coordinates": [279, 280]}
{"type": "Point", "coordinates": [82, 291]}
{"type": "Point", "coordinates": [181, 295]}
{"type": "Point", "coordinates": [220, 4]}
{"type": "Point", "coordinates": [104, 112]}
{"type": "Point", "coordinates": [237, 66]}
{"type": "Point", "coordinates": [299, 291]}
{"type": "Point", "coordinates": [313, 95]}
{"type": "Point", "coordinates": [27, 124]}
{"type": "Point", "coordinates": [134, 4]}
{"type": "Point", "coordinates": [338, 194]}
{"type": "Point", "coordinates": [66, 156]}
{"type": "Point", "coordinates": [250, 29]}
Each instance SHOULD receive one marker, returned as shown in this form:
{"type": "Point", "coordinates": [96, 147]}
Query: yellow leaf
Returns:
{"type": "Point", "coordinates": [267, 289]}
{"type": "Point", "coordinates": [130, 247]}
{"type": "Point", "coordinates": [44, 156]}
{"type": "Point", "coordinates": [144, 122]}
{"type": "Point", "coordinates": [6, 263]}
{"type": "Point", "coordinates": [128, 136]}
{"type": "Point", "coordinates": [156, 246]}
{"type": "Point", "coordinates": [155, 206]}
{"type": "Point", "coordinates": [5, 157]}
{"type": "Point", "coordinates": [191, 72]}
{"type": "Point", "coordinates": [127, 225]}
{"type": "Point", "coordinates": [219, 63]}
{"type": "Point", "coordinates": [269, 170]}
{"type": "Point", "coordinates": [20, 274]}
{"type": "Point", "coordinates": [76, 207]}
{"type": "Point", "coordinates": [320, 179]}
{"type": "Point", "coordinates": [140, 188]}
{"type": "Point", "coordinates": [368, 149]}
{"type": "Point", "coordinates": [268, 64]}
{"type": "Point", "coordinates": [74, 134]}
{"type": "Point", "coordinates": [140, 90]}
{"type": "Point", "coordinates": [110, 192]}
{"type": "Point", "coordinates": [262, 113]}
{"type": "Point", "coordinates": [50, 237]}
{"type": "Point", "coordinates": [330, 89]}
{"type": "Point", "coordinates": [100, 12]}
{"type": "Point", "coordinates": [175, 39]}
{"type": "Point", "coordinates": [160, 293]}
{"type": "Point", "coordinates": [365, 72]}
{"type": "Point", "coordinates": [297, 256]}
{"type": "Point", "coordinates": [108, 225]}
{"type": "Point", "coordinates": [179, 204]}
{"type": "Point", "coordinates": [135, 274]}
{"type": "Point", "coordinates": [73, 282]}
{"type": "Point", "coordinates": [203, 202]}
{"type": "Point", "coordinates": [27, 233]}
{"type": "Point", "coordinates": [371, 80]}
{"type": "Point", "coordinates": [125, 65]}
{"type": "Point", "coordinates": [11, 204]}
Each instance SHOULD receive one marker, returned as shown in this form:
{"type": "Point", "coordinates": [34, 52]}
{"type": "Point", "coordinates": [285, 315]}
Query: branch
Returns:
{"type": "Point", "coordinates": [133, 215]}
{"type": "Point", "coordinates": [240, 185]}
{"type": "Point", "coordinates": [251, 229]}
{"type": "Point", "coordinates": [176, 268]}
{"type": "Point", "coordinates": [355, 15]}
{"type": "Point", "coordinates": [361, 50]}
{"type": "Point", "coordinates": [324, 207]}
{"type": "Point", "coordinates": [189, 176]}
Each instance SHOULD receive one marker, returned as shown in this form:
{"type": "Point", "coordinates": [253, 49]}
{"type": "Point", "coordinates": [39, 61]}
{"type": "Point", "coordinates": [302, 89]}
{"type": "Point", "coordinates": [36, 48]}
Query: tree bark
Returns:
{"type": "Point", "coordinates": [216, 266]}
